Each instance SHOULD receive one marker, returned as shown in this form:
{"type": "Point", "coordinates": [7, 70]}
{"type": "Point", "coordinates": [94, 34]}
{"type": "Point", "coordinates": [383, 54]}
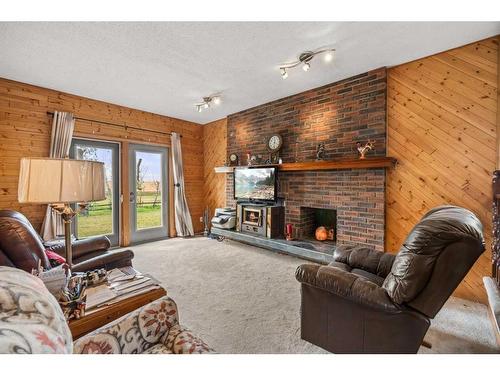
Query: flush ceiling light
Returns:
{"type": "Point", "coordinates": [305, 58]}
{"type": "Point", "coordinates": [207, 102]}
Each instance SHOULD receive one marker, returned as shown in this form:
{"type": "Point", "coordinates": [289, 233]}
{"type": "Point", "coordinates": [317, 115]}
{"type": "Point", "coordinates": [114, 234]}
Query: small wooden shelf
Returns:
{"type": "Point", "coordinates": [326, 165]}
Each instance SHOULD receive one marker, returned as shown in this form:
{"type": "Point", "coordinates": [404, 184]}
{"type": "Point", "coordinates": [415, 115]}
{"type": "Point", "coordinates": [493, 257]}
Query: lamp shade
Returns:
{"type": "Point", "coordinates": [47, 180]}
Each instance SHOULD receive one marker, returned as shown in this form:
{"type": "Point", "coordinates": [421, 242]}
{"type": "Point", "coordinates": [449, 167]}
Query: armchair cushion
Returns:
{"type": "Point", "coordinates": [347, 285]}
{"type": "Point", "coordinates": [367, 259]}
{"type": "Point", "coordinates": [152, 329]}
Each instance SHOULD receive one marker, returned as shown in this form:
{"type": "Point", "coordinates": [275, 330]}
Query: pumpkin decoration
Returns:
{"type": "Point", "coordinates": [321, 234]}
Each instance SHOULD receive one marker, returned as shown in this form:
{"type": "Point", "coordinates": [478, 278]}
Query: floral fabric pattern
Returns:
{"type": "Point", "coordinates": [158, 349]}
{"type": "Point", "coordinates": [157, 319]}
{"type": "Point", "coordinates": [31, 320]}
{"type": "Point", "coordinates": [153, 329]}
{"type": "Point", "coordinates": [180, 340]}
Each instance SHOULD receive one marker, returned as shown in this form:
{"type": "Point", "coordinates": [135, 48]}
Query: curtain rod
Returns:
{"type": "Point", "coordinates": [118, 125]}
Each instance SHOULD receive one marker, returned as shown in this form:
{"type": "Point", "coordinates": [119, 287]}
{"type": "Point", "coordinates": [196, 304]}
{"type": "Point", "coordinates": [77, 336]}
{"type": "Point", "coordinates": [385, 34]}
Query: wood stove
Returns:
{"type": "Point", "coordinates": [252, 216]}
{"type": "Point", "coordinates": [260, 220]}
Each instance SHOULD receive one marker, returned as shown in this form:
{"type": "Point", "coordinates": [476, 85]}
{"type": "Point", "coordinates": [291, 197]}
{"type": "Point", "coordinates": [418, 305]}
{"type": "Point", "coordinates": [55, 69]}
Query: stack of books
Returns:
{"type": "Point", "coordinates": [122, 283]}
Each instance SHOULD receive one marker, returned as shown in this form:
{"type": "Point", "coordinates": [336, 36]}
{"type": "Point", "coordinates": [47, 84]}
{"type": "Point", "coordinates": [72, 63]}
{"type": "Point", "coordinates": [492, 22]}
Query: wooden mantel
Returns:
{"type": "Point", "coordinates": [379, 162]}
{"type": "Point", "coordinates": [382, 162]}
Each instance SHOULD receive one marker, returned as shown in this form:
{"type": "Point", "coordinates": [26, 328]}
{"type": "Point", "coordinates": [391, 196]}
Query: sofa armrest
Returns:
{"type": "Point", "coordinates": [132, 333]}
{"type": "Point", "coordinates": [109, 260]}
{"type": "Point", "coordinates": [80, 247]}
{"type": "Point", "coordinates": [181, 340]}
{"type": "Point", "coordinates": [346, 285]}
{"type": "Point", "coordinates": [356, 256]}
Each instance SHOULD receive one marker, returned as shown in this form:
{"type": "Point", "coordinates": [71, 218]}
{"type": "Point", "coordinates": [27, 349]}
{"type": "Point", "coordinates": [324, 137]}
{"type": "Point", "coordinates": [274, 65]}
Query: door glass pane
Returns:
{"type": "Point", "coordinates": [148, 189]}
{"type": "Point", "coordinates": [97, 219]}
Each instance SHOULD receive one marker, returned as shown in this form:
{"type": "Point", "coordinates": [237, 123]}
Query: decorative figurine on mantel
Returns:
{"type": "Point", "coordinates": [364, 149]}
{"type": "Point", "coordinates": [320, 151]}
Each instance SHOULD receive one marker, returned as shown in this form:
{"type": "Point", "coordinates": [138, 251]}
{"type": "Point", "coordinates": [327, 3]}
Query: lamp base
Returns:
{"type": "Point", "coordinates": [67, 214]}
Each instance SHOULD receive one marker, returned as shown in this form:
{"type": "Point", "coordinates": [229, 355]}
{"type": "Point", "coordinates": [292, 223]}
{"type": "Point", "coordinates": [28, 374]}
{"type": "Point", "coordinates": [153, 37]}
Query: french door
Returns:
{"type": "Point", "coordinates": [148, 192]}
{"type": "Point", "coordinates": [103, 217]}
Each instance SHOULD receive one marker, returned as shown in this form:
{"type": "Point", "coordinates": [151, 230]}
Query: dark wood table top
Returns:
{"type": "Point", "coordinates": [96, 318]}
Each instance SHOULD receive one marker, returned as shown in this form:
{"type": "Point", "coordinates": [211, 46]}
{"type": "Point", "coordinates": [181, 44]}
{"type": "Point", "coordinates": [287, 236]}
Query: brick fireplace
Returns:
{"type": "Point", "coordinates": [338, 115]}
{"type": "Point", "coordinates": [312, 218]}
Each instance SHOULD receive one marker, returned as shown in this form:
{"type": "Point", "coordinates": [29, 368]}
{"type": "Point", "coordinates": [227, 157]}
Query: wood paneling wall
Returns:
{"type": "Point", "coordinates": [25, 131]}
{"type": "Point", "coordinates": [442, 113]}
{"type": "Point", "coordinates": [214, 150]}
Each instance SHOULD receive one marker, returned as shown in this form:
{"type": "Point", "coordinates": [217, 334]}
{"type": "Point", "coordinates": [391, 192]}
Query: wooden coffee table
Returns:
{"type": "Point", "coordinates": [95, 319]}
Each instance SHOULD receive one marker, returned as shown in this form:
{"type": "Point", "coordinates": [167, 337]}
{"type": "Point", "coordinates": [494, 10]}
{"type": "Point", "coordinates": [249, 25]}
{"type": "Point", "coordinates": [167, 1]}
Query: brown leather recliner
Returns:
{"type": "Point", "coordinates": [367, 301]}
{"type": "Point", "coordinates": [22, 247]}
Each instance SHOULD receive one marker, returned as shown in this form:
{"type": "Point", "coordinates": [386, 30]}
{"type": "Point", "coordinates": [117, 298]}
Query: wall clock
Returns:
{"type": "Point", "coordinates": [233, 159]}
{"type": "Point", "coordinates": [274, 143]}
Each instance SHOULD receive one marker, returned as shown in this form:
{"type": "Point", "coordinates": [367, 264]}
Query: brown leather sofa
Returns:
{"type": "Point", "coordinates": [22, 247]}
{"type": "Point", "coordinates": [367, 301]}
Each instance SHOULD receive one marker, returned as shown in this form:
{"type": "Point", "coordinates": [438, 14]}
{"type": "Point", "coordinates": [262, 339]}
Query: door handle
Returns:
{"type": "Point", "coordinates": [132, 197]}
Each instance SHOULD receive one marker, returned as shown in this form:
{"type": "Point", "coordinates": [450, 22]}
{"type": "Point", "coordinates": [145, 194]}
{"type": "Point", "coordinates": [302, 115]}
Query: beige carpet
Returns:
{"type": "Point", "coordinates": [243, 299]}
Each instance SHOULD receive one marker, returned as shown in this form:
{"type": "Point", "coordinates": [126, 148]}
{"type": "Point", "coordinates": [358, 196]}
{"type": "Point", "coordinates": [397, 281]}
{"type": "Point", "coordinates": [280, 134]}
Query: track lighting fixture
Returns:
{"type": "Point", "coordinates": [305, 58]}
{"type": "Point", "coordinates": [207, 102]}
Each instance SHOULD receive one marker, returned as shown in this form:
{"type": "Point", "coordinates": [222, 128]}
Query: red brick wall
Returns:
{"type": "Point", "coordinates": [338, 115]}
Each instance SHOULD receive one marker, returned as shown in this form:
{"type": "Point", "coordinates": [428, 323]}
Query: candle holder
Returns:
{"type": "Point", "coordinates": [289, 232]}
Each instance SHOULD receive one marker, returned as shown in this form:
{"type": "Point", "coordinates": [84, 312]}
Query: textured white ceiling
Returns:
{"type": "Point", "coordinates": [166, 67]}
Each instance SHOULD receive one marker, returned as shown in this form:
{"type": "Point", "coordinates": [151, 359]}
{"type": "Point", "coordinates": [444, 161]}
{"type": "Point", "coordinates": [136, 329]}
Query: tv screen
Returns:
{"type": "Point", "coordinates": [255, 184]}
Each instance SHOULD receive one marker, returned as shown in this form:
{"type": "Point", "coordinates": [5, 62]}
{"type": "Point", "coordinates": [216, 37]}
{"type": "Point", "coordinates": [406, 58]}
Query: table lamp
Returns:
{"type": "Point", "coordinates": [60, 182]}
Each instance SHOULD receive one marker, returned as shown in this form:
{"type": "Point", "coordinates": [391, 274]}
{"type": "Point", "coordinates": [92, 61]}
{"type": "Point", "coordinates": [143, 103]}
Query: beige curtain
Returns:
{"type": "Point", "coordinates": [183, 222]}
{"type": "Point", "coordinates": [63, 125]}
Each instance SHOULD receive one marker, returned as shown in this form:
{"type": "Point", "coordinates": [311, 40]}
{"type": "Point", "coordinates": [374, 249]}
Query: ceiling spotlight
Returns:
{"type": "Point", "coordinates": [328, 57]}
{"type": "Point", "coordinates": [305, 59]}
{"type": "Point", "coordinates": [207, 101]}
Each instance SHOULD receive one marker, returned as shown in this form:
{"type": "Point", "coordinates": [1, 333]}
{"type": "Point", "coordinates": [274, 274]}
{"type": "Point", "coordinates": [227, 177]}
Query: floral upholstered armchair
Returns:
{"type": "Point", "coordinates": [152, 329]}
{"type": "Point", "coordinates": [31, 321]}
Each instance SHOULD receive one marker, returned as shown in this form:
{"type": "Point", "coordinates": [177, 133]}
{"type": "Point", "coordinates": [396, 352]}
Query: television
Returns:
{"type": "Point", "coordinates": [255, 184]}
